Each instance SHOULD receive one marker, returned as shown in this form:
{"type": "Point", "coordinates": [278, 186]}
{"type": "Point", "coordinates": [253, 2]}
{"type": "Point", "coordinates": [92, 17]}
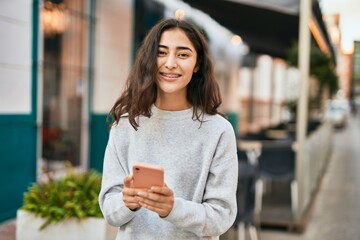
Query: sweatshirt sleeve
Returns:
{"type": "Point", "coordinates": [110, 198]}
{"type": "Point", "coordinates": [217, 211]}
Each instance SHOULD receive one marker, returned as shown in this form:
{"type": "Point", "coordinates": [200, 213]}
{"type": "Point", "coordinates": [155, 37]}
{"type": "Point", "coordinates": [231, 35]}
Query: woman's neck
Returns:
{"type": "Point", "coordinates": [172, 103]}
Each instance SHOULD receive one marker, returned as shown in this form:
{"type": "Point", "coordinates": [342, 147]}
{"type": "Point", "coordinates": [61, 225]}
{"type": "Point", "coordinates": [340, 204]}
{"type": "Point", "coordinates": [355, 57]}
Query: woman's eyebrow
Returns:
{"type": "Point", "coordinates": [178, 48]}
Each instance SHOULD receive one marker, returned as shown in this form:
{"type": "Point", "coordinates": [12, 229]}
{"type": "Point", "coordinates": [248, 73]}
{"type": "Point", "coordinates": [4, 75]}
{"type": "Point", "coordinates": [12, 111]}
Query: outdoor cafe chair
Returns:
{"type": "Point", "coordinates": [276, 162]}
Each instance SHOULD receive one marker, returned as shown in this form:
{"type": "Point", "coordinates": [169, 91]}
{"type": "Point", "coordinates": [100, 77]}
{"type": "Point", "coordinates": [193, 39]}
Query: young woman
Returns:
{"type": "Point", "coordinates": [167, 116]}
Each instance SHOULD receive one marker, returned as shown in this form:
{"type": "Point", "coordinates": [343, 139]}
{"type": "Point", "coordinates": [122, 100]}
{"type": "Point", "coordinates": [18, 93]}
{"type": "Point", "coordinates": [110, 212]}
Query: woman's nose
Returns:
{"type": "Point", "coordinates": [171, 62]}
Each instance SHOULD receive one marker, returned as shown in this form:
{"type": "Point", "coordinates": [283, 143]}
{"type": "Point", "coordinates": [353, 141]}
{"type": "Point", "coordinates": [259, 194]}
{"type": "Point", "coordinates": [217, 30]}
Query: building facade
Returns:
{"type": "Point", "coordinates": [63, 63]}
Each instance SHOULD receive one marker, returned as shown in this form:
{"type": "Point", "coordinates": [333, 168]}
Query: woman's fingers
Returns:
{"type": "Point", "coordinates": [130, 199]}
{"type": "Point", "coordinates": [129, 193]}
{"type": "Point", "coordinates": [161, 210]}
{"type": "Point", "coordinates": [157, 199]}
{"type": "Point", "coordinates": [128, 181]}
{"type": "Point", "coordinates": [162, 190]}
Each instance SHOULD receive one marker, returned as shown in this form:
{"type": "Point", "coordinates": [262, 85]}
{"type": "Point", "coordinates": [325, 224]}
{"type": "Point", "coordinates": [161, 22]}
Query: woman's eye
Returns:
{"type": "Point", "coordinates": [161, 53]}
{"type": "Point", "coordinates": [183, 55]}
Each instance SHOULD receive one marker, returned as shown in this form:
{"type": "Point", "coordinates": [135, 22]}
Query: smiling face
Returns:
{"type": "Point", "coordinates": [176, 63]}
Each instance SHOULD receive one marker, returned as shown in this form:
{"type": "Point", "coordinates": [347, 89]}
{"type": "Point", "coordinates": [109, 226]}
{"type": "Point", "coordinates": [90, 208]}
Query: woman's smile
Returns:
{"type": "Point", "coordinates": [170, 76]}
{"type": "Point", "coordinates": [176, 62]}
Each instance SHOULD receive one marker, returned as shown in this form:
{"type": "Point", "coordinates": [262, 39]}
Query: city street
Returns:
{"type": "Point", "coordinates": [70, 69]}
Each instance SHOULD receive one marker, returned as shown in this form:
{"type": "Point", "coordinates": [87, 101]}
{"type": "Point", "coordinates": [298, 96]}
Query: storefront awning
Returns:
{"type": "Point", "coordinates": [266, 26]}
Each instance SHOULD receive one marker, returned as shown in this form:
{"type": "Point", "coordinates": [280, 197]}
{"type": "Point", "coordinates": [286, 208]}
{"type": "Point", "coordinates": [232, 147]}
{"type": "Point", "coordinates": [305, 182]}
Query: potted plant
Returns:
{"type": "Point", "coordinates": [63, 209]}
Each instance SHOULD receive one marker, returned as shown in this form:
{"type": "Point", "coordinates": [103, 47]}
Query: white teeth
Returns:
{"type": "Point", "coordinates": [171, 75]}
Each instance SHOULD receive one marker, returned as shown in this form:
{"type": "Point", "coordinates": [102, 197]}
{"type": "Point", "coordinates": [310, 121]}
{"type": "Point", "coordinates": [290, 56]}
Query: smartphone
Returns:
{"type": "Point", "coordinates": [147, 175]}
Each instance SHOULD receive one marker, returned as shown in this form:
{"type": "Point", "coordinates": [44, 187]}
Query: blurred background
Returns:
{"type": "Point", "coordinates": [287, 89]}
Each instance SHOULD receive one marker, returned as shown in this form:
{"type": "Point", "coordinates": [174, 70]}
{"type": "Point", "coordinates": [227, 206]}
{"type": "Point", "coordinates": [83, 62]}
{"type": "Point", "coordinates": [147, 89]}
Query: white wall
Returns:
{"type": "Point", "coordinates": [292, 84]}
{"type": "Point", "coordinates": [279, 80]}
{"type": "Point", "coordinates": [15, 56]}
{"type": "Point", "coordinates": [244, 86]}
{"type": "Point", "coordinates": [113, 49]}
{"type": "Point", "coordinates": [263, 80]}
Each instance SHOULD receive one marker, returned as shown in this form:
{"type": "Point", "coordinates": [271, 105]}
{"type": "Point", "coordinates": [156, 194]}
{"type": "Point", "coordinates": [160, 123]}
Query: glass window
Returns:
{"type": "Point", "coordinates": [64, 25]}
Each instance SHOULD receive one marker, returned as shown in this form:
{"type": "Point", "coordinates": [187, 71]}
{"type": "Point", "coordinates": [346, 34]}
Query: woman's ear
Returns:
{"type": "Point", "coordinates": [196, 68]}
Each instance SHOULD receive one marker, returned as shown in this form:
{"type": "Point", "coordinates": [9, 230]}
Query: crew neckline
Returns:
{"type": "Point", "coordinates": [166, 114]}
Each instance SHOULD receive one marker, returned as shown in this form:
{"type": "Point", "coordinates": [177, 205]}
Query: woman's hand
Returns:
{"type": "Point", "coordinates": [157, 199]}
{"type": "Point", "coordinates": [129, 194]}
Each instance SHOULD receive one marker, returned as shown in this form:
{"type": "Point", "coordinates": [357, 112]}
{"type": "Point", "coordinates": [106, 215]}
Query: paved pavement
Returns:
{"type": "Point", "coordinates": [337, 207]}
{"type": "Point", "coordinates": [7, 230]}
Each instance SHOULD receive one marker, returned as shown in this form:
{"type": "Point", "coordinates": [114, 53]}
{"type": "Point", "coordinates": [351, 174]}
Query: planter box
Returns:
{"type": "Point", "coordinates": [27, 228]}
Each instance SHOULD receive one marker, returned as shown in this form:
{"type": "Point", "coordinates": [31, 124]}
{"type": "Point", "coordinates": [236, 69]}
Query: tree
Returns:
{"type": "Point", "coordinates": [321, 67]}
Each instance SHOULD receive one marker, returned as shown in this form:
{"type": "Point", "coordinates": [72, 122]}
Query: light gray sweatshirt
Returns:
{"type": "Point", "coordinates": [200, 163]}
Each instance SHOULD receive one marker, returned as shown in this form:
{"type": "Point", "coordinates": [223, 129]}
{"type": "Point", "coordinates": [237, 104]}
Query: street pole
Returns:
{"type": "Point", "coordinates": [302, 108]}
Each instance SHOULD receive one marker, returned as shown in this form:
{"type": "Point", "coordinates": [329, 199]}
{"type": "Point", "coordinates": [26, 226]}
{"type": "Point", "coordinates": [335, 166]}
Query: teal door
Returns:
{"type": "Point", "coordinates": [18, 159]}
{"type": "Point", "coordinates": [18, 142]}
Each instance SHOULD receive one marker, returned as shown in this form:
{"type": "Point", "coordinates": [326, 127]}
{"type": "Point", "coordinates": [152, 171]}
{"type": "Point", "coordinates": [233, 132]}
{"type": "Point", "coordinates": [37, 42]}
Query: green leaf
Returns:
{"type": "Point", "coordinates": [73, 196]}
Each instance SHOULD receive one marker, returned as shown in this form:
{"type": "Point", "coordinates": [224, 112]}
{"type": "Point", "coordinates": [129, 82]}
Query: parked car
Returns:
{"type": "Point", "coordinates": [337, 112]}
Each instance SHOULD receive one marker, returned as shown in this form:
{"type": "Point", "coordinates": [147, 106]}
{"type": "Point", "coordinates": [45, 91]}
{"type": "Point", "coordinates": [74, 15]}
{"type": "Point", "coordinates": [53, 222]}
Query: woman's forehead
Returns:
{"type": "Point", "coordinates": [175, 37]}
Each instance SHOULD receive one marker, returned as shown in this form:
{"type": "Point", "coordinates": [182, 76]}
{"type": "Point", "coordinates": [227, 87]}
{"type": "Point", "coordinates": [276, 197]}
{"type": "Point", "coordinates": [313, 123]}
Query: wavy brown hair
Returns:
{"type": "Point", "coordinates": [141, 86]}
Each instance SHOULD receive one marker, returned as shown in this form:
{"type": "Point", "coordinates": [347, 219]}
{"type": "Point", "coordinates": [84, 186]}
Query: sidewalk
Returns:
{"type": "Point", "coordinates": [336, 212]}
{"type": "Point", "coordinates": [8, 230]}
